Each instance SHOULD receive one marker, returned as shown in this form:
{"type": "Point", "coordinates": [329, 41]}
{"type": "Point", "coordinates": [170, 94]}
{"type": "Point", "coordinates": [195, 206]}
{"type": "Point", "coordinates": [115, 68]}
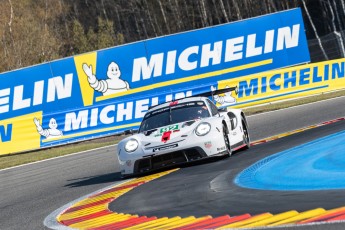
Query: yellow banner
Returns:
{"type": "Point", "coordinates": [20, 133]}
{"type": "Point", "coordinates": [285, 83]}
{"type": "Point", "coordinates": [87, 61]}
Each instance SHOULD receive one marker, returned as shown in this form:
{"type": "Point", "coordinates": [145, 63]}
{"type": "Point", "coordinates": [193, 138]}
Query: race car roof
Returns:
{"type": "Point", "coordinates": [199, 97]}
{"type": "Point", "coordinates": [182, 100]}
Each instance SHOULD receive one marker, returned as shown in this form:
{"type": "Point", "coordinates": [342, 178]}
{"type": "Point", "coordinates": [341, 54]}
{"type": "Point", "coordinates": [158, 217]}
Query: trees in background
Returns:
{"type": "Point", "coordinates": [35, 31]}
{"type": "Point", "coordinates": [27, 34]}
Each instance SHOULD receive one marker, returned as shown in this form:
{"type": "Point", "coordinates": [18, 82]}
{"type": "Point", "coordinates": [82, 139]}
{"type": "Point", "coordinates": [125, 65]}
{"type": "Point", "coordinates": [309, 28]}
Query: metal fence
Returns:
{"type": "Point", "coordinates": [328, 47]}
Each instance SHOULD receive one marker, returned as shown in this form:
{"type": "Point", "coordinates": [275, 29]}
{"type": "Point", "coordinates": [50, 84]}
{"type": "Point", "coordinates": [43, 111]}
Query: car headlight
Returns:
{"type": "Point", "coordinates": [131, 145]}
{"type": "Point", "coordinates": [203, 129]}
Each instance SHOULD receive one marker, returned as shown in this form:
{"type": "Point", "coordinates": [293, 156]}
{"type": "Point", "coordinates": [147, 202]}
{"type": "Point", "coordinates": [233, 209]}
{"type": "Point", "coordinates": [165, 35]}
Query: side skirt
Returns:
{"type": "Point", "coordinates": [238, 146]}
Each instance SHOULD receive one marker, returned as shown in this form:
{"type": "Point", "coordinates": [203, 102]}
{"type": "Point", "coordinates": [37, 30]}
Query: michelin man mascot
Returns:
{"type": "Point", "coordinates": [48, 133]}
{"type": "Point", "coordinates": [225, 100]}
{"type": "Point", "coordinates": [110, 86]}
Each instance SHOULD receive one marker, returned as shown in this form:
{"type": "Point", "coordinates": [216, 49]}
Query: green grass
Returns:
{"type": "Point", "coordinates": [23, 158]}
{"type": "Point", "coordinates": [286, 104]}
{"type": "Point", "coordinates": [28, 157]}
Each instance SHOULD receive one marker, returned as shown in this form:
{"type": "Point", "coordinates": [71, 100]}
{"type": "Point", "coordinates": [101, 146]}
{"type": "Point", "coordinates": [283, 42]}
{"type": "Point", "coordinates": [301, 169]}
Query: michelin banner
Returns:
{"type": "Point", "coordinates": [108, 91]}
{"type": "Point", "coordinates": [283, 84]}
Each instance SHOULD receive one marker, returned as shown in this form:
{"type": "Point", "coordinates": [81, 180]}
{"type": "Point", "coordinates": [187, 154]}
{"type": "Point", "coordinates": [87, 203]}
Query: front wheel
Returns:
{"type": "Point", "coordinates": [246, 138]}
{"type": "Point", "coordinates": [226, 141]}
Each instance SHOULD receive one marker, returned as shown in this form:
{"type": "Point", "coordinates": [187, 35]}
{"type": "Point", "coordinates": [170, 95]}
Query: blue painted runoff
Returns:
{"type": "Point", "coordinates": [316, 165]}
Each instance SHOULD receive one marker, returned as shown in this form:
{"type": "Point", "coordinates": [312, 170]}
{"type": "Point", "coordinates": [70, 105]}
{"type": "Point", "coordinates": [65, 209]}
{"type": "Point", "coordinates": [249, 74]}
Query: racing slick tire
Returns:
{"type": "Point", "coordinates": [246, 138]}
{"type": "Point", "coordinates": [227, 142]}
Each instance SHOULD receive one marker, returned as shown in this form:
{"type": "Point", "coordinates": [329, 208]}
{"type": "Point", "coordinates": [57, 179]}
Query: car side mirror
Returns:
{"type": "Point", "coordinates": [129, 132]}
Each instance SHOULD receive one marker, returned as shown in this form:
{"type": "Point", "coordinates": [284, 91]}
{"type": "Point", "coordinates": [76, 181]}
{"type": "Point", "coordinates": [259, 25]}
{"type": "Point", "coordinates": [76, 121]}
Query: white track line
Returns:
{"type": "Point", "coordinates": [324, 223]}
{"type": "Point", "coordinates": [72, 154]}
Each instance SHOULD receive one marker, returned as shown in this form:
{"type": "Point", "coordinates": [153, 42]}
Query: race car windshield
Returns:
{"type": "Point", "coordinates": [174, 114]}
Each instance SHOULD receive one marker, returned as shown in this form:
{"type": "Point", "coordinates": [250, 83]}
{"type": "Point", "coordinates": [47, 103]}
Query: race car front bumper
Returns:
{"type": "Point", "coordinates": [177, 151]}
{"type": "Point", "coordinates": [168, 159]}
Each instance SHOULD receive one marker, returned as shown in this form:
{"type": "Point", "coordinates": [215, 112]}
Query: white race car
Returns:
{"type": "Point", "coordinates": [182, 131]}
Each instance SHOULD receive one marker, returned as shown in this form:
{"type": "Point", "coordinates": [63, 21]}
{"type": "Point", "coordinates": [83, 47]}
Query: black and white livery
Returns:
{"type": "Point", "coordinates": [182, 131]}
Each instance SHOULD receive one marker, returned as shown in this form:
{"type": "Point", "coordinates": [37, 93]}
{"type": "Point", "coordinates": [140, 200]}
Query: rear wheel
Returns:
{"type": "Point", "coordinates": [226, 141]}
{"type": "Point", "coordinates": [246, 138]}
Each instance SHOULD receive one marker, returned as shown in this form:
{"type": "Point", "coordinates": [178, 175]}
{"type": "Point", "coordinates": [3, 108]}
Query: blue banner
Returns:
{"type": "Point", "coordinates": [108, 91]}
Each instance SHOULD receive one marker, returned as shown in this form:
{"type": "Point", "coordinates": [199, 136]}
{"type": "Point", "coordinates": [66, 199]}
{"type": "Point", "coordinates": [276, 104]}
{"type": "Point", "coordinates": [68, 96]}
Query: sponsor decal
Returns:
{"type": "Point", "coordinates": [208, 144]}
{"type": "Point", "coordinates": [173, 103]}
{"type": "Point", "coordinates": [221, 149]}
{"type": "Point", "coordinates": [169, 128]}
{"type": "Point", "coordinates": [166, 136]}
{"type": "Point", "coordinates": [164, 147]}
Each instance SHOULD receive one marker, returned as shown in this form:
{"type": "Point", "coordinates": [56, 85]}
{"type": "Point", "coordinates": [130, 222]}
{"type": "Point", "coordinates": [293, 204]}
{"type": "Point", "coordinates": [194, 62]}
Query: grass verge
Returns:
{"type": "Point", "coordinates": [28, 157]}
{"type": "Point", "coordinates": [289, 103]}
{"type": "Point", "coordinates": [11, 160]}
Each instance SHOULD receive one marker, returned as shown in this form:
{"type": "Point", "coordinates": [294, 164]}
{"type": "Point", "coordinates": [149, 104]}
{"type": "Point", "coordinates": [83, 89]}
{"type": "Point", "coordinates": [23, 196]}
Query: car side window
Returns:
{"type": "Point", "coordinates": [214, 109]}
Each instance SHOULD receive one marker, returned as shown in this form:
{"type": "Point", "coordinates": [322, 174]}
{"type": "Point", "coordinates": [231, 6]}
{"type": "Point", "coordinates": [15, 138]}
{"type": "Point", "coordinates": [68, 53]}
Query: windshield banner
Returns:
{"type": "Point", "coordinates": [108, 91]}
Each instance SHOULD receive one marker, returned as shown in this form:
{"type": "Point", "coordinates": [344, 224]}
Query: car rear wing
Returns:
{"type": "Point", "coordinates": [207, 94]}
{"type": "Point", "coordinates": [216, 92]}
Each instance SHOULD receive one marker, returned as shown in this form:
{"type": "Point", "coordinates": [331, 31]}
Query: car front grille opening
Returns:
{"type": "Point", "coordinates": [165, 160]}
{"type": "Point", "coordinates": [144, 165]}
{"type": "Point", "coordinates": [193, 154]}
{"type": "Point", "coordinates": [168, 159]}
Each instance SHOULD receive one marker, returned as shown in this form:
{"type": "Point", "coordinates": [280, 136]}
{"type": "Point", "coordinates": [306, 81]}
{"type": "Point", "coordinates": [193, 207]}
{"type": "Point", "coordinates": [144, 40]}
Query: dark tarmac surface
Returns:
{"type": "Point", "coordinates": [208, 188]}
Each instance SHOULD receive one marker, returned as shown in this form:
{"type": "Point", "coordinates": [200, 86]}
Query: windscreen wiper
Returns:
{"type": "Point", "coordinates": [148, 132]}
{"type": "Point", "coordinates": [170, 117]}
